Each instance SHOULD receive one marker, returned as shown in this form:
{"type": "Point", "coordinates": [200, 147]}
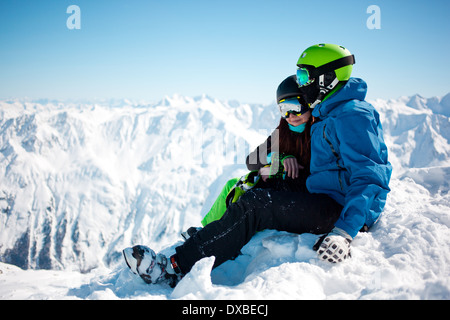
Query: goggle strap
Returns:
{"type": "Point", "coordinates": [283, 100]}
{"type": "Point", "coordinates": [331, 66]}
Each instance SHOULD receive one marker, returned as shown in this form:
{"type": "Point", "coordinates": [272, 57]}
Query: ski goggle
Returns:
{"type": "Point", "coordinates": [291, 105]}
{"type": "Point", "coordinates": [303, 77]}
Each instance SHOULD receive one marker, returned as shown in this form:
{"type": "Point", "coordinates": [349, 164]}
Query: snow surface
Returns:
{"type": "Point", "coordinates": [81, 180]}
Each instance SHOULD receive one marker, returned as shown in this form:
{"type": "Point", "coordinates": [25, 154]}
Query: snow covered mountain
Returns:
{"type": "Point", "coordinates": [79, 181]}
{"type": "Point", "coordinates": [417, 130]}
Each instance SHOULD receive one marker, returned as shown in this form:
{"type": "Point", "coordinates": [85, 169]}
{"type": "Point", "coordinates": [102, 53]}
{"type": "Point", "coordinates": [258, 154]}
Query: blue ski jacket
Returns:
{"type": "Point", "coordinates": [349, 159]}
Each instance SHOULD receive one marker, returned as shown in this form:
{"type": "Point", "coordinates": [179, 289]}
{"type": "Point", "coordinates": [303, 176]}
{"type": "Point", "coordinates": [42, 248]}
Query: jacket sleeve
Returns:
{"type": "Point", "coordinates": [368, 171]}
{"type": "Point", "coordinates": [258, 158]}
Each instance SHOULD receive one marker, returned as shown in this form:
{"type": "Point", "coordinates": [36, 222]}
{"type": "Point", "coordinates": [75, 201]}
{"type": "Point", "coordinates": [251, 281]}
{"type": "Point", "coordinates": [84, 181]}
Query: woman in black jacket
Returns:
{"type": "Point", "coordinates": [280, 163]}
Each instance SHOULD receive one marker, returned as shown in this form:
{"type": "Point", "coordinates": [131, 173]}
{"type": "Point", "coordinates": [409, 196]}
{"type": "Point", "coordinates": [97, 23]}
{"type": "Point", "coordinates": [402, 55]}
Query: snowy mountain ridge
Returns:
{"type": "Point", "coordinates": [79, 181]}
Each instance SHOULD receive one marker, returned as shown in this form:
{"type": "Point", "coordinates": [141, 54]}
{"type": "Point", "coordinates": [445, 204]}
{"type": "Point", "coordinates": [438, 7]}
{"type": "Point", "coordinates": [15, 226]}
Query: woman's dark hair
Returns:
{"type": "Point", "coordinates": [295, 144]}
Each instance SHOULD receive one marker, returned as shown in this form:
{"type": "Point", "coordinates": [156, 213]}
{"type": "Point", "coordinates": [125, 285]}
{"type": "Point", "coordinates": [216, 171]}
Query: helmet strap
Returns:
{"type": "Point", "coordinates": [324, 90]}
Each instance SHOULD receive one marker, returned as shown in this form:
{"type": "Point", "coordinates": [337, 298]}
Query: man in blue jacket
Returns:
{"type": "Point", "coordinates": [349, 159]}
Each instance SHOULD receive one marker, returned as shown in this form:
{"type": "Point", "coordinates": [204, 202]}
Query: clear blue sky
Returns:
{"type": "Point", "coordinates": [233, 49]}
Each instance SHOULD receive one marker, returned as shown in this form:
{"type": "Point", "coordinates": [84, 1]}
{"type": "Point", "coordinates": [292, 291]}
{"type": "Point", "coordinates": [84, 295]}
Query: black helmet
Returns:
{"type": "Point", "coordinates": [288, 88]}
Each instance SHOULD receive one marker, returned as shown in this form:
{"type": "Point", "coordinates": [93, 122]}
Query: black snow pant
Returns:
{"type": "Point", "coordinates": [257, 210]}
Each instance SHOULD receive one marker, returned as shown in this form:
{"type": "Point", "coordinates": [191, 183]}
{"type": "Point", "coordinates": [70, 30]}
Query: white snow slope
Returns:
{"type": "Point", "coordinates": [81, 181]}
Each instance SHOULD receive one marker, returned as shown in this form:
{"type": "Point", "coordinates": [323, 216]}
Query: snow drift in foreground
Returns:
{"type": "Point", "coordinates": [81, 181]}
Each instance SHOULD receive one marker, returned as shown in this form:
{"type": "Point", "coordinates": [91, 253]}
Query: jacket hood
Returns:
{"type": "Point", "coordinates": [355, 88]}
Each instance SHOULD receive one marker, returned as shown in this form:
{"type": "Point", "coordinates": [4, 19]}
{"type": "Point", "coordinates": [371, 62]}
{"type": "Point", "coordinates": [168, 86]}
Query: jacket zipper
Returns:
{"type": "Point", "coordinates": [336, 155]}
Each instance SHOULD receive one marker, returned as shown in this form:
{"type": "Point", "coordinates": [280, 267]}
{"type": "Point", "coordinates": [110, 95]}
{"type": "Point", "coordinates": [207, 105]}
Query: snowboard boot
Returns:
{"type": "Point", "coordinates": [152, 268]}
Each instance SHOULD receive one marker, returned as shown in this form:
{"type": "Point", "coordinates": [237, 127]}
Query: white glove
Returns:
{"type": "Point", "coordinates": [335, 247]}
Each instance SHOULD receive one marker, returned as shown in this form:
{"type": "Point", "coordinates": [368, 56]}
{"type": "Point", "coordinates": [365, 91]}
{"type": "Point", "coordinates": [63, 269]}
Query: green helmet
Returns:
{"type": "Point", "coordinates": [326, 57]}
{"type": "Point", "coordinates": [321, 68]}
